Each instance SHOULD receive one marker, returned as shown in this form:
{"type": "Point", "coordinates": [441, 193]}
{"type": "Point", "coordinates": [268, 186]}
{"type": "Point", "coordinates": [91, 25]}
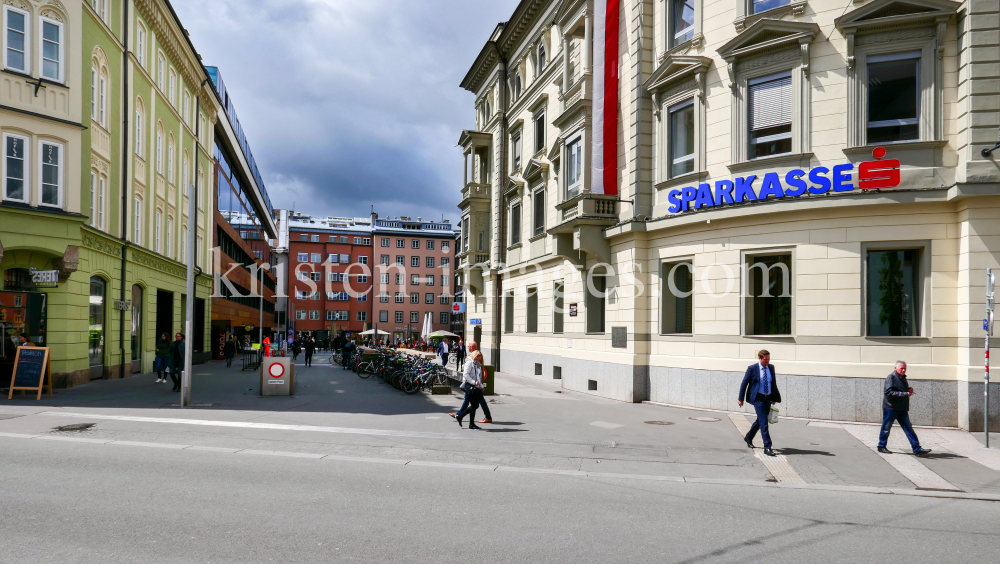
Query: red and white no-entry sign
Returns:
{"type": "Point", "coordinates": [276, 370]}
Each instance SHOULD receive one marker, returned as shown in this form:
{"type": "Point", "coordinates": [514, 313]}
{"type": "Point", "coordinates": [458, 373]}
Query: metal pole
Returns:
{"type": "Point", "coordinates": [192, 258]}
{"type": "Point", "coordinates": [260, 328]}
{"type": "Point", "coordinates": [988, 327]}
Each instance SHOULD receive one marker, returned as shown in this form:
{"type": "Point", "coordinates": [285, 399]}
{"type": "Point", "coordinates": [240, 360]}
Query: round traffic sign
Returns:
{"type": "Point", "coordinates": [276, 370]}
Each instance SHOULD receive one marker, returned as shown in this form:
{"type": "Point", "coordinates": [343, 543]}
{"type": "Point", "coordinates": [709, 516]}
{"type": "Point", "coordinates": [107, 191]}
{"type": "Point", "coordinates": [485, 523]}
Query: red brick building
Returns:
{"type": "Point", "coordinates": [329, 275]}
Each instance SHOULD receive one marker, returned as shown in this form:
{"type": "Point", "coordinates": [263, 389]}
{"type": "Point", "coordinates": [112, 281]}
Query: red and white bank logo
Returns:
{"type": "Point", "coordinates": [878, 173]}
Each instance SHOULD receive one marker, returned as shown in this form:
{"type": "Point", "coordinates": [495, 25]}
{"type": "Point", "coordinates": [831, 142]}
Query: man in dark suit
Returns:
{"type": "Point", "coordinates": [760, 387]}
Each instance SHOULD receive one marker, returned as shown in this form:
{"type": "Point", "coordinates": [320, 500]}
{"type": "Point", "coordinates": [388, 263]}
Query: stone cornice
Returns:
{"type": "Point", "coordinates": [171, 37]}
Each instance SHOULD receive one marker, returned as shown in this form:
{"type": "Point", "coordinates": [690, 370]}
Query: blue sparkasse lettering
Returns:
{"type": "Point", "coordinates": [821, 184]}
{"type": "Point", "coordinates": [675, 201]}
{"type": "Point", "coordinates": [744, 189]}
{"type": "Point", "coordinates": [771, 186]}
{"type": "Point", "coordinates": [842, 180]}
{"type": "Point", "coordinates": [704, 198]}
{"type": "Point", "coordinates": [794, 178]}
{"type": "Point", "coordinates": [724, 192]}
{"type": "Point", "coordinates": [687, 195]}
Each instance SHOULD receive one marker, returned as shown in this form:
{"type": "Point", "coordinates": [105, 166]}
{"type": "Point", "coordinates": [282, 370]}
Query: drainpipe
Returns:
{"type": "Point", "coordinates": [125, 184]}
{"type": "Point", "coordinates": [502, 239]}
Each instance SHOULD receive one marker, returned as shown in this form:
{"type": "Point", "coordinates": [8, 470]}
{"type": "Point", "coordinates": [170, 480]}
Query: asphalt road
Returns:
{"type": "Point", "coordinates": [82, 502]}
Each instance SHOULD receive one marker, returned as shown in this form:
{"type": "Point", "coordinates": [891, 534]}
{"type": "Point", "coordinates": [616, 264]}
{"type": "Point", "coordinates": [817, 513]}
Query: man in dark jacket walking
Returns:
{"type": "Point", "coordinates": [760, 387]}
{"type": "Point", "coordinates": [310, 348]}
{"type": "Point", "coordinates": [896, 407]}
{"type": "Point", "coordinates": [177, 360]}
{"type": "Point", "coordinates": [229, 351]}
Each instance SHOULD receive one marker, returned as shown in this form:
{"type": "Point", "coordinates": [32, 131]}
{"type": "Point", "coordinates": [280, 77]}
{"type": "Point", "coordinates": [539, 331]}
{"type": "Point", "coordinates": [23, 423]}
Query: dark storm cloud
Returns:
{"type": "Point", "coordinates": [350, 103]}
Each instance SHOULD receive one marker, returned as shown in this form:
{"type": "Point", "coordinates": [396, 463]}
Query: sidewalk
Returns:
{"type": "Point", "coordinates": [537, 427]}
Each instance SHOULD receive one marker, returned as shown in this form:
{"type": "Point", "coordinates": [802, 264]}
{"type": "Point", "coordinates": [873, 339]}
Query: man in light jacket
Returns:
{"type": "Point", "coordinates": [472, 385]}
{"type": "Point", "coordinates": [896, 407]}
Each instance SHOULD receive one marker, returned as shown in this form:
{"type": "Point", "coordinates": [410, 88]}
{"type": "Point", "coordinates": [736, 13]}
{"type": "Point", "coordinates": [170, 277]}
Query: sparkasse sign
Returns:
{"type": "Point", "coordinates": [871, 175]}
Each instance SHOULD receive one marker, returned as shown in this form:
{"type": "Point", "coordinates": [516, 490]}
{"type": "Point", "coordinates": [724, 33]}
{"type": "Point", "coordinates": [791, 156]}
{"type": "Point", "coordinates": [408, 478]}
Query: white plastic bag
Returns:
{"type": "Point", "coordinates": [772, 416]}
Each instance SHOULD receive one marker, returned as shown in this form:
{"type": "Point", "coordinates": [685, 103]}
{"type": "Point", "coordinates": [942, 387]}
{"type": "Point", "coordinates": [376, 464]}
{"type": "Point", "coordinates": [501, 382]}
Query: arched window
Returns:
{"type": "Point", "coordinates": [517, 85]}
{"type": "Point", "coordinates": [159, 147]}
{"type": "Point", "coordinates": [99, 84]}
{"type": "Point", "coordinates": [542, 58]}
{"type": "Point", "coordinates": [185, 172]}
{"type": "Point", "coordinates": [489, 110]}
{"type": "Point", "coordinates": [139, 110]}
{"type": "Point", "coordinates": [170, 158]}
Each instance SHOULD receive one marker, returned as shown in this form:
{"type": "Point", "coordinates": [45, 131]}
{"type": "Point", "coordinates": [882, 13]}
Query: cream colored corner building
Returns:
{"type": "Point", "coordinates": [716, 91]}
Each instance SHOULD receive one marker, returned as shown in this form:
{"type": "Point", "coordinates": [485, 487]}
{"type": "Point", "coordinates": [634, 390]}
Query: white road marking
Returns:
{"type": "Point", "coordinates": [606, 425]}
{"type": "Point", "coordinates": [905, 463]}
{"type": "Point", "coordinates": [574, 473]}
{"type": "Point", "coordinates": [778, 466]}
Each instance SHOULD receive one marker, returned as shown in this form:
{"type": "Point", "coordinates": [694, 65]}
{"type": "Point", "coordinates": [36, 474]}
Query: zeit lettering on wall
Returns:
{"type": "Point", "coordinates": [871, 175]}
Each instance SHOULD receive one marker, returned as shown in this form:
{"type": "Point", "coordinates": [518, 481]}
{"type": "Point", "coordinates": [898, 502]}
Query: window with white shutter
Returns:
{"type": "Point", "coordinates": [770, 115]}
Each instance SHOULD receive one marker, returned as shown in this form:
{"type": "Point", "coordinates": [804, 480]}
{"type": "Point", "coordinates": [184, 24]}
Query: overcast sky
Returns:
{"type": "Point", "coordinates": [349, 103]}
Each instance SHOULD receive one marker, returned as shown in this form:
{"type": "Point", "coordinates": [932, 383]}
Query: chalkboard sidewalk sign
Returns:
{"type": "Point", "coordinates": [32, 371]}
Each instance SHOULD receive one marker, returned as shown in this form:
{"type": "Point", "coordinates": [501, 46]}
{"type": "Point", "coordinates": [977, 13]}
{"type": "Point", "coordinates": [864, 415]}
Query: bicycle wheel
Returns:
{"type": "Point", "coordinates": [410, 384]}
{"type": "Point", "coordinates": [362, 373]}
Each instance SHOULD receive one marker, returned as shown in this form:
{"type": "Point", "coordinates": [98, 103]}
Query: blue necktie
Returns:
{"type": "Point", "coordinates": [765, 381]}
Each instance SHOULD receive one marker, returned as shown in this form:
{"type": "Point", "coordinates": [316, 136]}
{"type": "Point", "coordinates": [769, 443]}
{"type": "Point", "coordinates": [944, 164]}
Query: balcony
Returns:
{"type": "Point", "coordinates": [474, 191]}
{"type": "Point", "coordinates": [585, 217]}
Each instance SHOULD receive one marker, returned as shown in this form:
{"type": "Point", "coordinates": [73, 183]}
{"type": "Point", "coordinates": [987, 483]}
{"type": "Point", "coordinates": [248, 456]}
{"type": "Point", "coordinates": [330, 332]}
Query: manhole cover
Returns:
{"type": "Point", "coordinates": [705, 419]}
{"type": "Point", "coordinates": [658, 423]}
{"type": "Point", "coordinates": [75, 427]}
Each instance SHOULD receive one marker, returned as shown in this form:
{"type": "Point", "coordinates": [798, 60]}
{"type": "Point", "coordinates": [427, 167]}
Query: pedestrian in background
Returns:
{"type": "Point", "coordinates": [443, 351]}
{"type": "Point", "coordinates": [760, 387]}
{"type": "Point", "coordinates": [896, 407]}
{"type": "Point", "coordinates": [162, 357]}
{"type": "Point", "coordinates": [472, 385]}
{"type": "Point", "coordinates": [229, 351]}
{"type": "Point", "coordinates": [310, 348]}
{"type": "Point", "coordinates": [459, 355]}
{"type": "Point", "coordinates": [177, 360]}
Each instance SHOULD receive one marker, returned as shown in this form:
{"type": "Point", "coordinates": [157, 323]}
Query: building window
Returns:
{"type": "Point", "coordinates": [304, 238]}
{"type": "Point", "coordinates": [366, 241]}
{"type": "Point", "coordinates": [508, 312]}
{"type": "Point", "coordinates": [52, 178]}
{"type": "Point", "coordinates": [303, 276]}
{"type": "Point", "coordinates": [302, 294]}
{"type": "Point", "coordinates": [16, 52]}
{"type": "Point", "coordinates": [383, 278]}
{"type": "Point", "coordinates": [93, 199]}
{"type": "Point", "coordinates": [758, 6]}
{"type": "Point", "coordinates": [429, 299]}
{"type": "Point", "coordinates": [538, 202]}
{"type": "Point", "coordinates": [52, 50]}
{"type": "Point", "coordinates": [315, 238]}
{"type": "Point", "coordinates": [516, 152]}
{"type": "Point", "coordinates": [172, 88]}
{"type": "Point", "coordinates": [316, 276]}
{"type": "Point", "coordinates": [160, 63]}
{"type": "Point", "coordinates": [314, 315]}
{"type": "Point", "coordinates": [399, 297]}
{"type": "Point", "coordinates": [383, 297]}
{"type": "Point", "coordinates": [415, 244]}
{"type": "Point", "coordinates": [157, 226]}
{"type": "Point", "coordinates": [303, 257]}
{"type": "Point", "coordinates": [140, 44]}
{"type": "Point", "coordinates": [384, 260]}
{"type": "Point", "coordinates": [415, 298]}
{"type": "Point", "coordinates": [333, 259]}
{"type": "Point", "coordinates": [159, 150]}
{"type": "Point", "coordinates": [301, 314]}
{"type": "Point", "coordinates": [558, 295]}
{"type": "Point", "coordinates": [681, 21]}
{"type": "Point", "coordinates": [531, 309]}
{"type": "Point", "coordinates": [187, 107]}
{"type": "Point", "coordinates": [385, 241]}
{"type": "Point", "coordinates": [315, 296]}
{"type": "Point", "coordinates": [515, 224]}
{"type": "Point", "coordinates": [383, 317]}
{"type": "Point", "coordinates": [317, 257]}
{"type": "Point", "coordinates": [445, 246]}
{"type": "Point", "coordinates": [399, 279]}
{"type": "Point", "coordinates": [398, 317]}
{"type": "Point", "coordinates": [445, 262]}
{"type": "Point", "coordinates": [542, 57]}
{"type": "Point", "coordinates": [343, 239]}
{"type": "Point", "coordinates": [400, 243]}
{"type": "Point", "coordinates": [681, 143]}
{"type": "Point", "coordinates": [430, 262]}
{"type": "Point", "coordinates": [444, 280]}
{"type": "Point", "coordinates": [102, 100]}
{"type": "Point", "coordinates": [414, 317]}
{"type": "Point", "coordinates": [170, 159]}
{"type": "Point", "coordinates": [362, 278]}
{"type": "Point", "coordinates": [184, 243]}
{"type": "Point", "coordinates": [482, 241]}
{"type": "Point", "coordinates": [430, 245]}
{"type": "Point", "coordinates": [15, 168]}
{"type": "Point", "coordinates": [138, 129]}
{"type": "Point", "coordinates": [414, 280]}
{"type": "Point", "coordinates": [362, 260]}
{"type": "Point", "coordinates": [430, 280]}
{"type": "Point", "coordinates": [770, 115]}
{"type": "Point", "coordinates": [445, 299]}
{"type": "Point", "coordinates": [137, 222]}
{"type": "Point", "coordinates": [676, 297]}
{"type": "Point", "coordinates": [596, 297]}
{"type": "Point", "coordinates": [400, 260]}
{"type": "Point", "coordinates": [574, 167]}
{"type": "Point", "coordinates": [465, 234]}
{"type": "Point", "coordinates": [362, 316]}
{"type": "Point", "coordinates": [893, 292]}
{"type": "Point", "coordinates": [540, 132]}
{"type": "Point", "coordinates": [768, 305]}
{"type": "Point", "coordinates": [414, 262]}
{"type": "Point", "coordinates": [893, 98]}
